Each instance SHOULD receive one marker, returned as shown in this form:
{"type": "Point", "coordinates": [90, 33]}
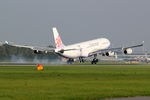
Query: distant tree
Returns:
{"type": "Point", "coordinates": [7, 52]}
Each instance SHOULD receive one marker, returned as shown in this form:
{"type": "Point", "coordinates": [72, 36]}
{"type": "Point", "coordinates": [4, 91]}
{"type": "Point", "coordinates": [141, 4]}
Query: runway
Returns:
{"type": "Point", "coordinates": [110, 64]}
{"type": "Point", "coordinates": [30, 64]}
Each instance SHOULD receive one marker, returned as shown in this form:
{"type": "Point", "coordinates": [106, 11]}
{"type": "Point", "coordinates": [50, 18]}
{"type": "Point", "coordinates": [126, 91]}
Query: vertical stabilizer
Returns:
{"type": "Point", "coordinates": [58, 41]}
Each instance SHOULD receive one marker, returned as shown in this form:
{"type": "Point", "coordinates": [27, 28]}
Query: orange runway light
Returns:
{"type": "Point", "coordinates": [40, 67]}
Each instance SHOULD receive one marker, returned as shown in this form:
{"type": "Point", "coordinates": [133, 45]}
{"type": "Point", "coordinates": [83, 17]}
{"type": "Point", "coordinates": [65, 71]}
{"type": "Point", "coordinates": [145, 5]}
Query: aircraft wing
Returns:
{"type": "Point", "coordinates": [34, 48]}
{"type": "Point", "coordinates": [116, 50]}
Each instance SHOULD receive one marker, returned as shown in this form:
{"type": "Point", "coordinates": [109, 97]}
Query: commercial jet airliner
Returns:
{"type": "Point", "coordinates": [81, 50]}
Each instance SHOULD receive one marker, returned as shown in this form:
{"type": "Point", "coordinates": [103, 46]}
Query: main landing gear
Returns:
{"type": "Point", "coordinates": [81, 59]}
{"type": "Point", "coordinates": [95, 60]}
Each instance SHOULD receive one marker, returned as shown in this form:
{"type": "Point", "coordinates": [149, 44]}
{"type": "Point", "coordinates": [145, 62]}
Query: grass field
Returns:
{"type": "Point", "coordinates": [73, 82]}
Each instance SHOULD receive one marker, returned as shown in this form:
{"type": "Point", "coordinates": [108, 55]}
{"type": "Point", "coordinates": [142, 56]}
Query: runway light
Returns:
{"type": "Point", "coordinates": [40, 67]}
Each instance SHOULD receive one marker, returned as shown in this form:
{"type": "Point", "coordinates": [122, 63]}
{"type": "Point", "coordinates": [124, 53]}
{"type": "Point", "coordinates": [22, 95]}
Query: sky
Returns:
{"type": "Point", "coordinates": [30, 22]}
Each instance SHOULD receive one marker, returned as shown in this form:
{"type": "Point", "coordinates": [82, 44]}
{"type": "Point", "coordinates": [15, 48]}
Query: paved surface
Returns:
{"type": "Point", "coordinates": [13, 64]}
{"type": "Point", "coordinates": [110, 64]}
{"type": "Point", "coordinates": [131, 98]}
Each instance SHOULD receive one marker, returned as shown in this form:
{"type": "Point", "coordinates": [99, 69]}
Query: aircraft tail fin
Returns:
{"type": "Point", "coordinates": [58, 41]}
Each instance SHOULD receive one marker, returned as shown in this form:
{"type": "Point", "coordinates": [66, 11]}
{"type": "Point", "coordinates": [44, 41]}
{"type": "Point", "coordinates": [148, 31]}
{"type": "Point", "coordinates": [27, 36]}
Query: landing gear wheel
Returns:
{"type": "Point", "coordinates": [81, 59]}
{"type": "Point", "coordinates": [94, 61]}
{"type": "Point", "coordinates": [70, 61]}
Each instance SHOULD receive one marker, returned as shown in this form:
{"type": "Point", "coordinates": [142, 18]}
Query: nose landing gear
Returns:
{"type": "Point", "coordinates": [70, 61]}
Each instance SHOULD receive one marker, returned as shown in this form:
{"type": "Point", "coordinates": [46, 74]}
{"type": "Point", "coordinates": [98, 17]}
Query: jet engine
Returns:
{"type": "Point", "coordinates": [128, 51]}
{"type": "Point", "coordinates": [46, 52]}
{"type": "Point", "coordinates": [110, 53]}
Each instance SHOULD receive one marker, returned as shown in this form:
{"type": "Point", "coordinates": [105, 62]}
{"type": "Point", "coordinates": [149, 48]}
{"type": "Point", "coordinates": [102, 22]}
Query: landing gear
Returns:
{"type": "Point", "coordinates": [70, 61]}
{"type": "Point", "coordinates": [81, 59]}
{"type": "Point", "coordinates": [95, 60]}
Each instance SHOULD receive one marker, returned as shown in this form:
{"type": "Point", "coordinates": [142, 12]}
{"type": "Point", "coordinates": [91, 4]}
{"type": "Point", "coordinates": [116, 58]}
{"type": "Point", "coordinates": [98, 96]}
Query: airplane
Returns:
{"type": "Point", "coordinates": [141, 57]}
{"type": "Point", "coordinates": [147, 59]}
{"type": "Point", "coordinates": [81, 50]}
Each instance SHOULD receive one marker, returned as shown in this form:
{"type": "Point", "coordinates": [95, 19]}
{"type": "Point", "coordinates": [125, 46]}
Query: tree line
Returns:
{"type": "Point", "coordinates": [10, 53]}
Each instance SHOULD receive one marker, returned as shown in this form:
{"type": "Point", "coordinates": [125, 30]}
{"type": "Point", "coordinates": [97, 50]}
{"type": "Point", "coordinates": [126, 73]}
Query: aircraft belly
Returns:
{"type": "Point", "coordinates": [72, 54]}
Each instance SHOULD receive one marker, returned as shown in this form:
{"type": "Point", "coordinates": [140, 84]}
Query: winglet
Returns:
{"type": "Point", "coordinates": [143, 42]}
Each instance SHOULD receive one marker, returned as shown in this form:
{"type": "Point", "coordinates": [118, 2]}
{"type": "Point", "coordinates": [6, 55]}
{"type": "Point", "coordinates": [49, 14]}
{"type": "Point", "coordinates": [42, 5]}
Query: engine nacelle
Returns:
{"type": "Point", "coordinates": [37, 52]}
{"type": "Point", "coordinates": [128, 51]}
{"type": "Point", "coordinates": [46, 52]}
{"type": "Point", "coordinates": [110, 53]}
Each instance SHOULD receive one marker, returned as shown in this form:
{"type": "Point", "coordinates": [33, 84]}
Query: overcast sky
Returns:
{"type": "Point", "coordinates": [123, 22]}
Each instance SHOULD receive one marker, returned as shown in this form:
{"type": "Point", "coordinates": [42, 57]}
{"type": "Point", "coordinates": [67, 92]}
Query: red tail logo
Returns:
{"type": "Point", "coordinates": [58, 41]}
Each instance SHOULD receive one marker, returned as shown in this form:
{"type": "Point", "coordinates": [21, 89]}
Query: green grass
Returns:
{"type": "Point", "coordinates": [73, 82]}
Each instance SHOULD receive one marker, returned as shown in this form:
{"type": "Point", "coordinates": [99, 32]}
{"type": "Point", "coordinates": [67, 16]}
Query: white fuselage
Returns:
{"type": "Point", "coordinates": [84, 49]}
